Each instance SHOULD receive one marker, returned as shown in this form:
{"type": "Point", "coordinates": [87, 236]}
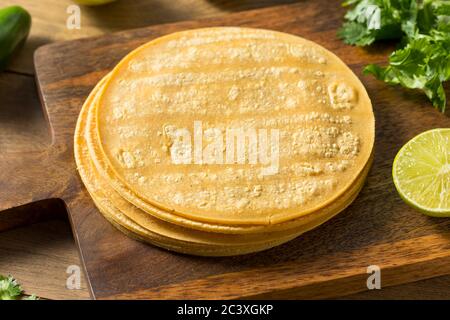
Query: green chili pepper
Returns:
{"type": "Point", "coordinates": [15, 23]}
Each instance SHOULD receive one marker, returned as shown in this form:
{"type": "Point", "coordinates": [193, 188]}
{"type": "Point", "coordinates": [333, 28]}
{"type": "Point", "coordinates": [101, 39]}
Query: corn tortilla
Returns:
{"type": "Point", "coordinates": [225, 77]}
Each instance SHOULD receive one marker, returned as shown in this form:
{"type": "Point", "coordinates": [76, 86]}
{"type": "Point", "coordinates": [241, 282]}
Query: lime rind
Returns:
{"type": "Point", "coordinates": [421, 172]}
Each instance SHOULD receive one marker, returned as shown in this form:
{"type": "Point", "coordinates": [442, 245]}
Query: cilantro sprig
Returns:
{"type": "Point", "coordinates": [423, 30]}
{"type": "Point", "coordinates": [11, 290]}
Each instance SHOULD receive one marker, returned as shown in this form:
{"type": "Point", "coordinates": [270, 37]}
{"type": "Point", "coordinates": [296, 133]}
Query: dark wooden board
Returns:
{"type": "Point", "coordinates": [330, 261]}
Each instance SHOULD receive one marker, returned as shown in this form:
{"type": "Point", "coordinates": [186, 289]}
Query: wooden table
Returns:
{"type": "Point", "coordinates": [36, 244]}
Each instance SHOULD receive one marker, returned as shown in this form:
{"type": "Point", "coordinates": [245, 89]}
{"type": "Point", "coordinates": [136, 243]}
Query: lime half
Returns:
{"type": "Point", "coordinates": [421, 172]}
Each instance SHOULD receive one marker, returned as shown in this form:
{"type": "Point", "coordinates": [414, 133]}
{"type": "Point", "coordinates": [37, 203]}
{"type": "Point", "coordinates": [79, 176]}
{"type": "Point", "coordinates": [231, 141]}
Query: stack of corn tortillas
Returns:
{"type": "Point", "coordinates": [225, 141]}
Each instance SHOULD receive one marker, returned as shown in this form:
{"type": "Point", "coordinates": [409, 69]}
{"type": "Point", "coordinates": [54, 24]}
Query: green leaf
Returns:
{"type": "Point", "coordinates": [441, 8]}
{"type": "Point", "coordinates": [424, 64]}
{"type": "Point", "coordinates": [9, 288]}
{"type": "Point", "coordinates": [423, 28]}
{"type": "Point", "coordinates": [435, 92]}
{"type": "Point", "coordinates": [384, 74]}
{"type": "Point", "coordinates": [426, 17]}
{"type": "Point", "coordinates": [356, 34]}
{"type": "Point", "coordinates": [350, 2]}
{"type": "Point", "coordinates": [371, 20]}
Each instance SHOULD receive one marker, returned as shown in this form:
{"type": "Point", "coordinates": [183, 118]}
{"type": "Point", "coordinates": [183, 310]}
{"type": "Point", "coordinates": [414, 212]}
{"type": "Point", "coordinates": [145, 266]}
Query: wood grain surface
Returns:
{"type": "Point", "coordinates": [22, 123]}
{"type": "Point", "coordinates": [42, 254]}
{"type": "Point", "coordinates": [24, 128]}
{"type": "Point", "coordinates": [377, 229]}
{"type": "Point", "coordinates": [384, 223]}
{"type": "Point", "coordinates": [50, 16]}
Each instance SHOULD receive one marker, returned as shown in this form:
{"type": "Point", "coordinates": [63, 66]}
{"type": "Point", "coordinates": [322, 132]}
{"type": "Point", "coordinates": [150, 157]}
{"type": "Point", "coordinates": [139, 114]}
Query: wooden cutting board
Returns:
{"type": "Point", "coordinates": [377, 229]}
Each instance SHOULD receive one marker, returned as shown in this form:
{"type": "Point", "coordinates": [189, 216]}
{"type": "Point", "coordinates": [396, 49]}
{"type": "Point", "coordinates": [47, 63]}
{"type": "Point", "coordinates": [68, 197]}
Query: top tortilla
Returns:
{"type": "Point", "coordinates": [235, 78]}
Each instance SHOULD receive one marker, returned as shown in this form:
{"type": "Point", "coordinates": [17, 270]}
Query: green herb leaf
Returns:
{"type": "Point", "coordinates": [423, 28]}
{"type": "Point", "coordinates": [371, 20]}
{"type": "Point", "coordinates": [9, 288]}
{"type": "Point", "coordinates": [424, 63]}
{"type": "Point", "coordinates": [355, 34]}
